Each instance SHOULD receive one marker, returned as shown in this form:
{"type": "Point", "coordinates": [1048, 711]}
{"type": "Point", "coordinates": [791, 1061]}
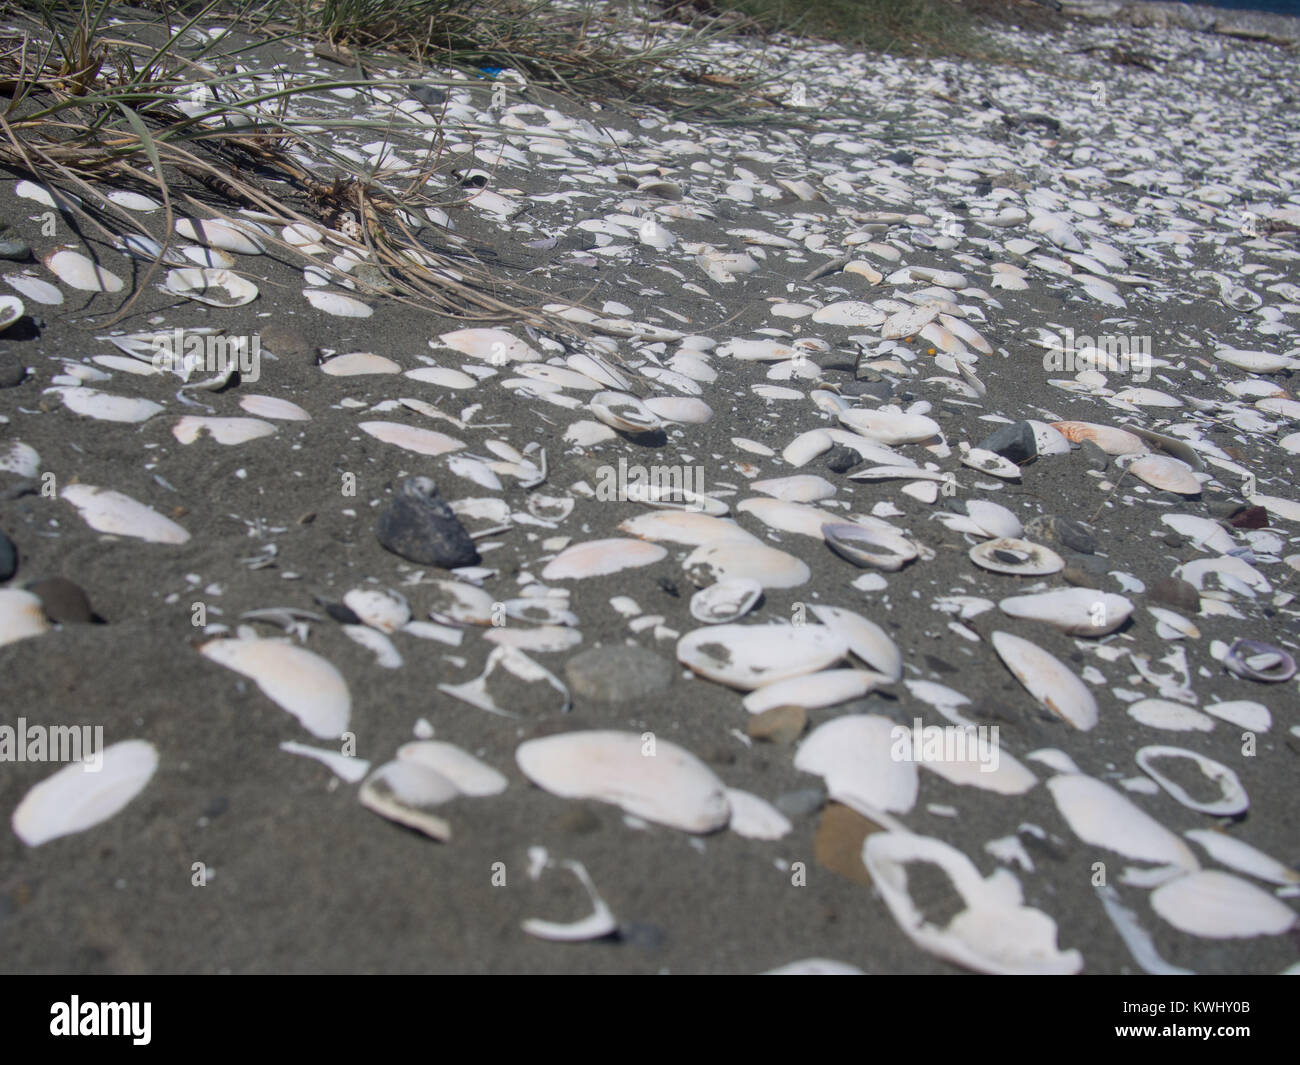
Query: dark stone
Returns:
{"type": "Point", "coordinates": [1250, 518]}
{"type": "Point", "coordinates": [63, 602]}
{"type": "Point", "coordinates": [670, 587]}
{"type": "Point", "coordinates": [901, 158]}
{"type": "Point", "coordinates": [1079, 578]}
{"type": "Point", "coordinates": [1093, 456]}
{"type": "Point", "coordinates": [801, 802]}
{"type": "Point", "coordinates": [861, 387]}
{"type": "Point", "coordinates": [419, 526]}
{"type": "Point", "coordinates": [650, 938]}
{"type": "Point", "coordinates": [1014, 442]}
{"type": "Point", "coordinates": [12, 372]}
{"type": "Point", "coordinates": [839, 459]}
{"type": "Point", "coordinates": [342, 613]}
{"type": "Point", "coordinates": [1049, 529]}
{"type": "Point", "coordinates": [836, 360]}
{"type": "Point", "coordinates": [618, 672]}
{"type": "Point", "coordinates": [12, 245]}
{"type": "Point", "coordinates": [8, 557]}
{"type": "Point", "coordinates": [429, 95]}
{"type": "Point", "coordinates": [1182, 595]}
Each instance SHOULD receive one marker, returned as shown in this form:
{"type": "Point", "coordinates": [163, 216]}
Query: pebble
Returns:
{"type": "Point", "coordinates": [12, 246]}
{"type": "Point", "coordinates": [616, 673]}
{"type": "Point", "coordinates": [801, 802]}
{"type": "Point", "coordinates": [1014, 442]}
{"type": "Point", "coordinates": [418, 525]}
{"type": "Point", "coordinates": [63, 601]}
{"type": "Point", "coordinates": [840, 459]}
{"type": "Point", "coordinates": [782, 724]}
{"type": "Point", "coordinates": [1079, 577]}
{"type": "Point", "coordinates": [12, 372]}
{"type": "Point", "coordinates": [1049, 529]}
{"type": "Point", "coordinates": [837, 846]}
{"type": "Point", "coordinates": [1179, 594]}
{"type": "Point", "coordinates": [8, 557]}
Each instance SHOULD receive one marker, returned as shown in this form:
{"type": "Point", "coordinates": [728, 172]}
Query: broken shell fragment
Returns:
{"type": "Point", "coordinates": [1218, 905]}
{"type": "Point", "coordinates": [1259, 661]}
{"type": "Point", "coordinates": [406, 791]}
{"type": "Point", "coordinates": [1076, 611]}
{"type": "Point", "coordinates": [857, 756]}
{"type": "Point", "coordinates": [21, 615]}
{"type": "Point", "coordinates": [869, 547]}
{"type": "Point", "coordinates": [1231, 800]}
{"type": "Point", "coordinates": [1048, 680]}
{"type": "Point", "coordinates": [725, 601]}
{"type": "Point", "coordinates": [295, 679]}
{"type": "Point", "coordinates": [217, 288]}
{"type": "Point", "coordinates": [78, 797]}
{"type": "Point", "coordinates": [107, 511]}
{"type": "Point", "coordinates": [751, 656]}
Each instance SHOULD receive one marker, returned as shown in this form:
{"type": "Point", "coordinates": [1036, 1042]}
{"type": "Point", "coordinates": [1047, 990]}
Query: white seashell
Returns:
{"type": "Point", "coordinates": [105, 406]}
{"type": "Point", "coordinates": [1048, 680]}
{"type": "Point", "coordinates": [273, 407]}
{"type": "Point", "coordinates": [494, 346]}
{"type": "Point", "coordinates": [443, 376]}
{"type": "Point", "coordinates": [216, 234]}
{"type": "Point", "coordinates": [889, 425]}
{"type": "Point", "coordinates": [599, 558]}
{"type": "Point", "coordinates": [132, 201]}
{"type": "Point", "coordinates": [995, 933]}
{"type": "Point", "coordinates": [909, 322]}
{"type": "Point", "coordinates": [35, 289]}
{"type": "Point", "coordinates": [725, 601]}
{"type": "Point", "coordinates": [21, 616]}
{"type": "Point", "coordinates": [596, 925]}
{"type": "Point", "coordinates": [1256, 361]}
{"type": "Point", "coordinates": [748, 559]}
{"type": "Point", "coordinates": [1077, 611]}
{"type": "Point", "coordinates": [806, 447]}
{"type": "Point", "coordinates": [978, 458]}
{"type": "Point", "coordinates": [411, 438]}
{"type": "Point", "coordinates": [596, 368]}
{"type": "Point", "coordinates": [1167, 474]}
{"type": "Point", "coordinates": [1218, 905]}
{"type": "Point", "coordinates": [801, 488]}
{"type": "Point", "coordinates": [357, 363]}
{"type": "Point", "coordinates": [864, 638]}
{"type": "Point", "coordinates": [19, 458]}
{"type": "Point", "coordinates": [1232, 799]}
{"type": "Point", "coordinates": [995, 519]}
{"type": "Point", "coordinates": [385, 651]}
{"type": "Point", "coordinates": [295, 679]}
{"type": "Point", "coordinates": [969, 757]}
{"type": "Point", "coordinates": [1241, 856]}
{"type": "Point", "coordinates": [788, 517]}
{"type": "Point", "coordinates": [545, 639]}
{"type": "Point", "coordinates": [75, 269]}
{"type": "Point", "coordinates": [337, 304]}
{"type": "Point", "coordinates": [1100, 815]}
{"type": "Point", "coordinates": [815, 967]}
{"type": "Point", "coordinates": [209, 257]}
{"type": "Point", "coordinates": [866, 546]}
{"type": "Point", "coordinates": [813, 691]}
{"type": "Point", "coordinates": [11, 309]}
{"type": "Point", "coordinates": [222, 430]}
{"type": "Point", "coordinates": [758, 350]}
{"type": "Point", "coordinates": [1204, 533]}
{"type": "Point", "coordinates": [343, 766]}
{"type": "Point", "coordinates": [459, 603]}
{"type": "Point", "coordinates": [1166, 714]}
{"type": "Point", "coordinates": [466, 773]}
{"type": "Point", "coordinates": [683, 409]}
{"type": "Point", "coordinates": [660, 781]}
{"type": "Point", "coordinates": [1111, 440]}
{"type": "Point", "coordinates": [387, 613]}
{"type": "Point", "coordinates": [1019, 557]}
{"type": "Point", "coordinates": [1243, 713]}
{"type": "Point", "coordinates": [76, 798]}
{"type": "Point", "coordinates": [405, 792]}
{"type": "Point", "coordinates": [751, 656]}
{"type": "Point", "coordinates": [1146, 397]}
{"type": "Point", "coordinates": [755, 818]}
{"type": "Point", "coordinates": [107, 511]}
{"type": "Point", "coordinates": [857, 756]}
{"type": "Point", "coordinates": [624, 412]}
{"type": "Point", "coordinates": [685, 527]}
{"type": "Point", "coordinates": [851, 313]}
{"type": "Point", "coordinates": [217, 288]}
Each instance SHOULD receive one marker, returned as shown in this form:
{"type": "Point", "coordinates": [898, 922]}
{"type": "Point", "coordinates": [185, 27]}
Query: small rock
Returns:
{"type": "Point", "coordinates": [1250, 518]}
{"type": "Point", "coordinates": [839, 459]}
{"type": "Point", "coordinates": [63, 601]}
{"type": "Point", "coordinates": [836, 360]}
{"type": "Point", "coordinates": [837, 846]}
{"type": "Point", "coordinates": [618, 672]}
{"type": "Point", "coordinates": [578, 821]}
{"type": "Point", "coordinates": [1174, 540]}
{"type": "Point", "coordinates": [902, 158]}
{"type": "Point", "coordinates": [419, 526]}
{"type": "Point", "coordinates": [1014, 442]}
{"type": "Point", "coordinates": [1049, 529]}
{"type": "Point", "coordinates": [876, 389]}
{"type": "Point", "coordinates": [8, 557]}
{"type": "Point", "coordinates": [284, 340]}
{"type": "Point", "coordinates": [1093, 456]}
{"type": "Point", "coordinates": [342, 613]}
{"type": "Point", "coordinates": [648, 937]}
{"type": "Point", "coordinates": [781, 724]}
{"type": "Point", "coordinates": [12, 372]}
{"type": "Point", "coordinates": [802, 802]}
{"type": "Point", "coordinates": [1079, 578]}
{"type": "Point", "coordinates": [12, 246]}
{"type": "Point", "coordinates": [1179, 594]}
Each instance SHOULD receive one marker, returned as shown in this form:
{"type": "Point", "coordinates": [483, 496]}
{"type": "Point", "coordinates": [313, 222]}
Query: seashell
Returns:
{"type": "Point", "coordinates": [857, 756]}
{"type": "Point", "coordinates": [754, 818]}
{"type": "Point", "coordinates": [851, 313]}
{"type": "Point", "coordinates": [1259, 661]}
{"type": "Point", "coordinates": [596, 925]}
{"type": "Point", "coordinates": [869, 547]}
{"type": "Point", "coordinates": [216, 288]}
{"type": "Point", "coordinates": [440, 375]}
{"type": "Point", "coordinates": [295, 679]}
{"type": "Point", "coordinates": [385, 651]}
{"type": "Point", "coordinates": [1241, 856]}
{"type": "Point", "coordinates": [1171, 626]}
{"type": "Point", "coordinates": [336, 303]}
{"type": "Point", "coordinates": [78, 797]}
{"type": "Point", "coordinates": [1111, 440]}
{"type": "Point", "coordinates": [357, 363]}
{"type": "Point", "coordinates": [217, 234]}
{"type": "Point", "coordinates": [685, 527]}
{"type": "Point", "coordinates": [406, 791]}
{"type": "Point", "coordinates": [1100, 815]}
{"type": "Point", "coordinates": [19, 458]}
{"type": "Point", "coordinates": [105, 406]}
{"type": "Point", "coordinates": [624, 412]}
{"type": "Point", "coordinates": [725, 601]}
{"type": "Point", "coordinates": [107, 511]}
{"type": "Point", "coordinates": [801, 488]}
{"type": "Point", "coordinates": [745, 559]}
{"type": "Point", "coordinates": [1232, 799]}
{"type": "Point", "coordinates": [1019, 557]}
{"type": "Point", "coordinates": [411, 438]}
{"type": "Point", "coordinates": [663, 783]}
{"type": "Point", "coordinates": [459, 603]}
{"type": "Point", "coordinates": [545, 639]}
{"type": "Point", "coordinates": [1203, 532]}
{"type": "Point", "coordinates": [1048, 680]}
{"type": "Point", "coordinates": [889, 425]}
{"type": "Point", "coordinates": [494, 346]}
{"type": "Point", "coordinates": [812, 691]}
{"type": "Point", "coordinates": [994, 519]}
{"type": "Point", "coordinates": [968, 757]}
{"type": "Point", "coordinates": [978, 458]}
{"type": "Point", "coordinates": [1218, 905]}
{"type": "Point", "coordinates": [806, 447]}
{"type": "Point", "coordinates": [387, 613]}
{"type": "Point", "coordinates": [909, 322]}
{"type": "Point", "coordinates": [75, 269]}
{"type": "Point", "coordinates": [788, 517]}
{"type": "Point", "coordinates": [508, 660]}
{"type": "Point", "coordinates": [1167, 474]}
{"type": "Point", "coordinates": [222, 430]}
{"type": "Point", "coordinates": [35, 289]}
{"type": "Point", "coordinates": [273, 407]}
{"type": "Point", "coordinates": [864, 638]}
{"type": "Point", "coordinates": [1146, 397]}
{"type": "Point", "coordinates": [598, 370]}
{"type": "Point", "coordinates": [599, 558]}
{"type": "Point", "coordinates": [11, 309]}
{"type": "Point", "coordinates": [683, 409]}
{"type": "Point", "coordinates": [132, 201]}
{"type": "Point", "coordinates": [21, 616]}
{"type": "Point", "coordinates": [1243, 713]}
{"type": "Point", "coordinates": [751, 656]}
{"type": "Point", "coordinates": [209, 257]}
{"type": "Point", "coordinates": [1166, 714]}
{"type": "Point", "coordinates": [466, 773]}
{"type": "Point", "coordinates": [994, 933]}
{"type": "Point", "coordinates": [1076, 611]}
{"type": "Point", "coordinates": [1256, 361]}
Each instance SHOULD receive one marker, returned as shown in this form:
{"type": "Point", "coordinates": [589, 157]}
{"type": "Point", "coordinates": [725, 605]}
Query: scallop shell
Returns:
{"type": "Point", "coordinates": [1019, 557]}
{"type": "Point", "coordinates": [107, 511]}
{"type": "Point", "coordinates": [1048, 680]}
{"type": "Point", "coordinates": [751, 656]}
{"type": "Point", "coordinates": [654, 779]}
{"type": "Point", "coordinates": [217, 288]}
{"type": "Point", "coordinates": [725, 601]}
{"type": "Point", "coordinates": [75, 799]}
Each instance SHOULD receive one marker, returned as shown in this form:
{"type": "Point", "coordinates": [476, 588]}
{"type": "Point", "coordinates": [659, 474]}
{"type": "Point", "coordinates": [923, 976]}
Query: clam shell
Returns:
{"type": "Point", "coordinates": [412, 438]}
{"type": "Point", "coordinates": [11, 309]}
{"type": "Point", "coordinates": [599, 558]}
{"type": "Point", "coordinates": [217, 288]}
{"type": "Point", "coordinates": [869, 547]}
{"type": "Point", "coordinates": [385, 612]}
{"type": "Point", "coordinates": [1166, 714]}
{"type": "Point", "coordinates": [725, 601]}
{"type": "Point", "coordinates": [217, 234]}
{"type": "Point", "coordinates": [337, 304]}
{"type": "Point", "coordinates": [685, 410]}
{"type": "Point", "coordinates": [1100, 815]}
{"type": "Point", "coordinates": [755, 818]}
{"type": "Point", "coordinates": [856, 756]}
{"type": "Point", "coordinates": [494, 346]}
{"type": "Point", "coordinates": [405, 791]}
{"type": "Point", "coordinates": [788, 517]}
{"type": "Point", "coordinates": [1232, 799]}
{"type": "Point", "coordinates": [105, 406]}
{"type": "Point", "coordinates": [274, 407]}
{"type": "Point", "coordinates": [994, 519]}
{"type": "Point", "coordinates": [222, 430]}
{"type": "Point", "coordinates": [733, 559]}
{"type": "Point", "coordinates": [865, 639]}
{"type": "Point", "coordinates": [802, 488]}
{"type": "Point", "coordinates": [970, 758]}
{"type": "Point", "coordinates": [1019, 557]}
{"type": "Point", "coordinates": [82, 273]}
{"type": "Point", "coordinates": [1259, 661]}
{"type": "Point", "coordinates": [295, 679]}
{"type": "Point", "coordinates": [1218, 905]}
{"type": "Point", "coordinates": [1167, 474]}
{"type": "Point", "coordinates": [668, 785]}
{"type": "Point", "coordinates": [624, 412]}
{"type": "Point", "coordinates": [1111, 440]}
{"type": "Point", "coordinates": [1048, 680]}
{"type": "Point", "coordinates": [442, 376]}
{"type": "Point", "coordinates": [813, 691]}
{"type": "Point", "coordinates": [1077, 611]}
{"type": "Point", "coordinates": [107, 511]}
{"type": "Point", "coordinates": [685, 527]}
{"type": "Point", "coordinates": [359, 363]}
{"type": "Point", "coordinates": [73, 799]}
{"type": "Point", "coordinates": [21, 616]}
{"type": "Point", "coordinates": [978, 458]}
{"type": "Point", "coordinates": [889, 425]}
{"type": "Point", "coordinates": [459, 603]}
{"type": "Point", "coordinates": [751, 656]}
{"type": "Point", "coordinates": [1241, 856]}
{"type": "Point", "coordinates": [467, 774]}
